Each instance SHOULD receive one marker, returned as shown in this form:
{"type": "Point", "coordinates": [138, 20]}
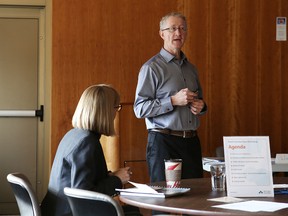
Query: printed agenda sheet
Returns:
{"type": "Point", "coordinates": [248, 166]}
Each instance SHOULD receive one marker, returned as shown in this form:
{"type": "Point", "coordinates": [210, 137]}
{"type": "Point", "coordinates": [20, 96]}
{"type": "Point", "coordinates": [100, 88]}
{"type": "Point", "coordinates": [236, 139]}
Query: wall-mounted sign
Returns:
{"type": "Point", "coordinates": [281, 28]}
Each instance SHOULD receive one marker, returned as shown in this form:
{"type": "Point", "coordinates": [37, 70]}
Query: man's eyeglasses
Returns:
{"type": "Point", "coordinates": [118, 108]}
{"type": "Point", "coordinates": [174, 29]}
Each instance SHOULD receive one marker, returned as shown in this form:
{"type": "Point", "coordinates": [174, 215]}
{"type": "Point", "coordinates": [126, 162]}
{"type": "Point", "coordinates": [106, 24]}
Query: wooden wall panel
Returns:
{"type": "Point", "coordinates": [99, 42]}
{"type": "Point", "coordinates": [196, 46]}
{"type": "Point", "coordinates": [235, 46]}
{"type": "Point", "coordinates": [133, 139]}
{"type": "Point", "coordinates": [270, 113]}
{"type": "Point", "coordinates": [284, 92]}
{"type": "Point", "coordinates": [243, 69]}
{"type": "Point", "coordinates": [133, 133]}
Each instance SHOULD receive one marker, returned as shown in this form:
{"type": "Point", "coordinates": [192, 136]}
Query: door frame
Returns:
{"type": "Point", "coordinates": [42, 11]}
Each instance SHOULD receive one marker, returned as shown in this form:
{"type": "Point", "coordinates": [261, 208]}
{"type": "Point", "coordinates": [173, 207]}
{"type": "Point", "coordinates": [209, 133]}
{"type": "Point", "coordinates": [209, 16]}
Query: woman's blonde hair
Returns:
{"type": "Point", "coordinates": [96, 109]}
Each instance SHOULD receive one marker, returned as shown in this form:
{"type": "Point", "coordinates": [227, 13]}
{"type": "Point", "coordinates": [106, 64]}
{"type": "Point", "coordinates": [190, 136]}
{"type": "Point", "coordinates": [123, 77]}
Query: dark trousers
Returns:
{"type": "Point", "coordinates": [163, 146]}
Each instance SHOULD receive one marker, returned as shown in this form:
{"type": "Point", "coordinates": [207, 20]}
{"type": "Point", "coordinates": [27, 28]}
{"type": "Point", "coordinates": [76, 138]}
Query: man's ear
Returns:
{"type": "Point", "coordinates": [161, 33]}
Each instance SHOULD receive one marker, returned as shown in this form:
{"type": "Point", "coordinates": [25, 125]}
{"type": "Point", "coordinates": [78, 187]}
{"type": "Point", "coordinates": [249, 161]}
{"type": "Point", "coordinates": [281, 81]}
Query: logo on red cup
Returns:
{"type": "Point", "coordinates": [173, 172]}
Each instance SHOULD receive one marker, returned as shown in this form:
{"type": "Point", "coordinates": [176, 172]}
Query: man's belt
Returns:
{"type": "Point", "coordinates": [184, 134]}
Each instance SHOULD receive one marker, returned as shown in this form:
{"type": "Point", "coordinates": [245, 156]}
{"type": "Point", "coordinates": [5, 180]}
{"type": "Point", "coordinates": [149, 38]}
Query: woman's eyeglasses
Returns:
{"type": "Point", "coordinates": [118, 108]}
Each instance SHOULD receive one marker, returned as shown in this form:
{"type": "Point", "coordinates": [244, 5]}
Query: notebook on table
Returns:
{"type": "Point", "coordinates": [151, 191]}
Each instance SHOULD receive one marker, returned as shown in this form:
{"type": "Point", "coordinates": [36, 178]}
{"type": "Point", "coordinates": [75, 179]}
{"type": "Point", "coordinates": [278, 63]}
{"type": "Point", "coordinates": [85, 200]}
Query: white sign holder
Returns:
{"type": "Point", "coordinates": [281, 159]}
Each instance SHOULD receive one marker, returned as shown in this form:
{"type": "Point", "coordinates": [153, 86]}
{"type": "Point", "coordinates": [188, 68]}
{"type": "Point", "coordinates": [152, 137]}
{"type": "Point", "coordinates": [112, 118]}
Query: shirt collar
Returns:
{"type": "Point", "coordinates": [169, 57]}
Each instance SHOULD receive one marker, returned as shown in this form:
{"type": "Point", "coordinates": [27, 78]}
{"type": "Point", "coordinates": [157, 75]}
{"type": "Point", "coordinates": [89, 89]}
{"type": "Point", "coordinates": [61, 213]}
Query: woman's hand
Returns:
{"type": "Point", "coordinates": [124, 174]}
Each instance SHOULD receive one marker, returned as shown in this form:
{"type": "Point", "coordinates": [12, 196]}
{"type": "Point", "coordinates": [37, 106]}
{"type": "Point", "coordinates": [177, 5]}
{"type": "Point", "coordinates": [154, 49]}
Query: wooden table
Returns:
{"type": "Point", "coordinates": [195, 201]}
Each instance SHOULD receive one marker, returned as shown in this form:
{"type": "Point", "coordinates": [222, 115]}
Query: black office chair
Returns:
{"type": "Point", "coordinates": [24, 194]}
{"type": "Point", "coordinates": [90, 203]}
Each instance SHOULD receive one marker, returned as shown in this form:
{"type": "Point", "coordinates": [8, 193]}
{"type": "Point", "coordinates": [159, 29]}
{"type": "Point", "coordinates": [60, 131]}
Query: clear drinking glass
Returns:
{"type": "Point", "coordinates": [218, 176]}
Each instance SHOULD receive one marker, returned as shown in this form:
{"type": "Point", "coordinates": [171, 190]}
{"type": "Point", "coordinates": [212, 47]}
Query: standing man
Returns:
{"type": "Point", "coordinates": [169, 97]}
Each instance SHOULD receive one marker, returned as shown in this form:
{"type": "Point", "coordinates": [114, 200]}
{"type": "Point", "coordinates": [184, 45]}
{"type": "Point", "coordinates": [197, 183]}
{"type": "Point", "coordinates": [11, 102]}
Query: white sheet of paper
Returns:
{"type": "Point", "coordinates": [280, 186]}
{"type": "Point", "coordinates": [143, 187]}
{"type": "Point", "coordinates": [226, 199]}
{"type": "Point", "coordinates": [248, 166]}
{"type": "Point", "coordinates": [254, 206]}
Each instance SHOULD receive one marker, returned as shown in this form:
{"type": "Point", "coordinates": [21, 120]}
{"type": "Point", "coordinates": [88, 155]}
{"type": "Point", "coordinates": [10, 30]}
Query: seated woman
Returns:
{"type": "Point", "coordinates": [79, 161]}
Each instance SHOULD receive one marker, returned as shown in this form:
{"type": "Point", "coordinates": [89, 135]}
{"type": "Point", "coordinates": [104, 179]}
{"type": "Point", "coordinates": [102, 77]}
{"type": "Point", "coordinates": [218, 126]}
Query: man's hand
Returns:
{"type": "Point", "coordinates": [183, 97]}
{"type": "Point", "coordinates": [196, 106]}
